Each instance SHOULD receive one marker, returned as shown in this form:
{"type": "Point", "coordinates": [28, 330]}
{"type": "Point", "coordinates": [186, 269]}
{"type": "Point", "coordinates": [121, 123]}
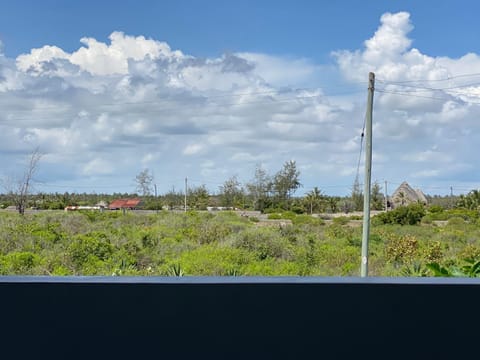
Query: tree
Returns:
{"type": "Point", "coordinates": [357, 196]}
{"type": "Point", "coordinates": [314, 200]}
{"type": "Point", "coordinates": [259, 188]}
{"type": "Point", "coordinates": [377, 197]}
{"type": "Point", "coordinates": [231, 192]}
{"type": "Point", "coordinates": [172, 199]}
{"type": "Point", "coordinates": [198, 197]}
{"type": "Point", "coordinates": [144, 182]}
{"type": "Point", "coordinates": [286, 182]}
{"type": "Point", "coordinates": [332, 202]}
{"type": "Point", "coordinates": [19, 189]}
{"type": "Point", "coordinates": [470, 201]}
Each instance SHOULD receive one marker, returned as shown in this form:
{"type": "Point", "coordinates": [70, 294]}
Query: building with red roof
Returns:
{"type": "Point", "coordinates": [129, 204]}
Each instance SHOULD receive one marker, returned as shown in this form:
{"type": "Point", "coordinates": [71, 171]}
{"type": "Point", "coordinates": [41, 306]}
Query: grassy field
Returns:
{"type": "Point", "coordinates": [226, 244]}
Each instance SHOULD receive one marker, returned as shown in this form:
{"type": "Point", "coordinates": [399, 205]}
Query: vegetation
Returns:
{"type": "Point", "coordinates": [226, 244]}
{"type": "Point", "coordinates": [288, 235]}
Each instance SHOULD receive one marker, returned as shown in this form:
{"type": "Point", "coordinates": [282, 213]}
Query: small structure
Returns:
{"type": "Point", "coordinates": [75, 208]}
{"type": "Point", "coordinates": [125, 204]}
{"type": "Point", "coordinates": [102, 205]}
{"type": "Point", "coordinates": [405, 195]}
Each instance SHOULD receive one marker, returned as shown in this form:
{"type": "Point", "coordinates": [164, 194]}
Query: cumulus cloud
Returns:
{"type": "Point", "coordinates": [109, 109]}
{"type": "Point", "coordinates": [99, 58]}
{"type": "Point", "coordinates": [420, 101]}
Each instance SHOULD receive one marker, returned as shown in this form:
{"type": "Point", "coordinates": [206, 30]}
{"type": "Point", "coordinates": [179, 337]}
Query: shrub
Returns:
{"type": "Point", "coordinates": [433, 251]}
{"type": "Point", "coordinates": [307, 220]}
{"type": "Point", "coordinates": [212, 260]}
{"type": "Point", "coordinates": [264, 243]}
{"type": "Point", "coordinates": [435, 209]}
{"type": "Point", "coordinates": [341, 220]}
{"type": "Point", "coordinates": [470, 251]}
{"type": "Point", "coordinates": [456, 220]}
{"type": "Point", "coordinates": [403, 215]}
{"type": "Point", "coordinates": [401, 249]}
{"type": "Point", "coordinates": [22, 262]}
{"type": "Point", "coordinates": [89, 248]}
{"type": "Point", "coordinates": [289, 215]}
{"type": "Point", "coordinates": [212, 231]}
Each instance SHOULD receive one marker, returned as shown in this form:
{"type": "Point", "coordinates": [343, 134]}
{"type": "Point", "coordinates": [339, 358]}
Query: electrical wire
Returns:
{"type": "Point", "coordinates": [361, 148]}
{"type": "Point", "coordinates": [423, 88]}
{"type": "Point", "coordinates": [429, 80]}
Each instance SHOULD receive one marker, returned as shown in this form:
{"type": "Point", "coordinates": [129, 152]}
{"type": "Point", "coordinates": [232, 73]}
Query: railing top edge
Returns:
{"type": "Point", "coordinates": [237, 280]}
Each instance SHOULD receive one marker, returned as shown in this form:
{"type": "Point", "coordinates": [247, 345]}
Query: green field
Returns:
{"type": "Point", "coordinates": [226, 244]}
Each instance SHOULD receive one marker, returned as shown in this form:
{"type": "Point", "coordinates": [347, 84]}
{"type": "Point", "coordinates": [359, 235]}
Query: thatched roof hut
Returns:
{"type": "Point", "coordinates": [405, 195]}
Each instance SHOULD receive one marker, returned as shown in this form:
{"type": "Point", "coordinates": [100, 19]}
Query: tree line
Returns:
{"type": "Point", "coordinates": [263, 192]}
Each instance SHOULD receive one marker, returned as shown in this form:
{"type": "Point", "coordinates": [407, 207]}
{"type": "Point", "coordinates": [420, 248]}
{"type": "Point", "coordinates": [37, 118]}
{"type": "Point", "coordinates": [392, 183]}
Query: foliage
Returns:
{"type": "Point", "coordinates": [415, 269]}
{"type": "Point", "coordinates": [231, 193]}
{"type": "Point", "coordinates": [289, 215]}
{"type": "Point", "coordinates": [470, 201]}
{"type": "Point", "coordinates": [19, 188]}
{"type": "Point", "coordinates": [357, 196]}
{"type": "Point", "coordinates": [259, 188]}
{"type": "Point", "coordinates": [401, 249]}
{"type": "Point", "coordinates": [225, 244]}
{"type": "Point", "coordinates": [377, 198]}
{"type": "Point", "coordinates": [198, 198]}
{"type": "Point", "coordinates": [341, 220]}
{"type": "Point", "coordinates": [404, 215]}
{"type": "Point", "coordinates": [314, 201]}
{"type": "Point", "coordinates": [470, 268]}
{"type": "Point", "coordinates": [144, 182]}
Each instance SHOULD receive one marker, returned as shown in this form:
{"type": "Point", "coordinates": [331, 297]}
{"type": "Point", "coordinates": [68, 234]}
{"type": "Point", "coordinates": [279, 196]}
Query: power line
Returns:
{"type": "Point", "coordinates": [205, 98]}
{"type": "Point", "coordinates": [210, 106]}
{"type": "Point", "coordinates": [430, 97]}
{"type": "Point", "coordinates": [361, 148]}
{"type": "Point", "coordinates": [430, 80]}
{"type": "Point", "coordinates": [423, 88]}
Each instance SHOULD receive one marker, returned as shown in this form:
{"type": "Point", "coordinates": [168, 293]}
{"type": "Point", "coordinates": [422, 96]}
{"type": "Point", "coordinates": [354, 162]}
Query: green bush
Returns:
{"type": "Point", "coordinates": [456, 220]}
{"type": "Point", "coordinates": [435, 209]}
{"type": "Point", "coordinates": [307, 220]}
{"type": "Point", "coordinates": [401, 249]}
{"type": "Point", "coordinates": [264, 243]}
{"type": "Point", "coordinates": [22, 262]}
{"type": "Point", "coordinates": [403, 215]}
{"type": "Point", "coordinates": [341, 220]}
{"type": "Point", "coordinates": [89, 249]}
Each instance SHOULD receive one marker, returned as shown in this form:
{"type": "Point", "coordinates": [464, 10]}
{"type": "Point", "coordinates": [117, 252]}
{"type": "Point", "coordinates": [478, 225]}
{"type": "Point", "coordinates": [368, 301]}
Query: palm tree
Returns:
{"type": "Point", "coordinates": [314, 198]}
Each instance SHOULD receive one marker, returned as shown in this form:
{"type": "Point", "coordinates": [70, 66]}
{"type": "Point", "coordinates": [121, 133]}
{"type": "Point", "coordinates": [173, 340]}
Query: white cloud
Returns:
{"type": "Point", "coordinates": [192, 149]}
{"type": "Point", "coordinates": [99, 58]}
{"type": "Point", "coordinates": [273, 69]}
{"type": "Point", "coordinates": [111, 109]}
{"type": "Point", "coordinates": [428, 173]}
{"type": "Point", "coordinates": [97, 167]}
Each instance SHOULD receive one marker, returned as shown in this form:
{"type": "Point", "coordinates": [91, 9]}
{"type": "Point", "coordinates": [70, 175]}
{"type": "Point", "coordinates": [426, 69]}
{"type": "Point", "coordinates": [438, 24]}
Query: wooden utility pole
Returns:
{"type": "Point", "coordinates": [156, 200]}
{"type": "Point", "coordinates": [368, 176]}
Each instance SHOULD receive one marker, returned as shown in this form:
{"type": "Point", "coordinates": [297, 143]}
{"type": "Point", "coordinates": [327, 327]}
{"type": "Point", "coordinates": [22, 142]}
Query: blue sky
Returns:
{"type": "Point", "coordinates": [211, 89]}
{"type": "Point", "coordinates": [209, 28]}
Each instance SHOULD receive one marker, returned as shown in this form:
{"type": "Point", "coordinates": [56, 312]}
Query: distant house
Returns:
{"type": "Point", "coordinates": [74, 208]}
{"type": "Point", "coordinates": [405, 195]}
{"type": "Point", "coordinates": [102, 204]}
{"type": "Point", "coordinates": [128, 204]}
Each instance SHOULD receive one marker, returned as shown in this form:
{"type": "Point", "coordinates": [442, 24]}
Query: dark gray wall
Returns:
{"type": "Point", "coordinates": [238, 318]}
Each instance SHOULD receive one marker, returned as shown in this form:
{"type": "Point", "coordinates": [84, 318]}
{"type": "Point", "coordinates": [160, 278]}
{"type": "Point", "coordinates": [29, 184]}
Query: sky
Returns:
{"type": "Point", "coordinates": [213, 89]}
